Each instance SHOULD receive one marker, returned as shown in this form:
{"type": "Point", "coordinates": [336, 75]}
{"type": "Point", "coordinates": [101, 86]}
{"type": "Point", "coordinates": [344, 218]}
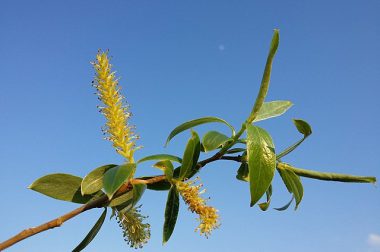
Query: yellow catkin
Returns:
{"type": "Point", "coordinates": [135, 232]}
{"type": "Point", "coordinates": [208, 216]}
{"type": "Point", "coordinates": [115, 109]}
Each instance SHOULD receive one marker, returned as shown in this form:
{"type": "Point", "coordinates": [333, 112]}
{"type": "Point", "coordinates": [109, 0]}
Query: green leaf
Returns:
{"type": "Point", "coordinates": [115, 177]}
{"type": "Point", "coordinates": [286, 206]}
{"type": "Point", "coordinates": [261, 161]}
{"type": "Point", "coordinates": [167, 167]}
{"type": "Point", "coordinates": [272, 109]}
{"type": "Point", "coordinates": [93, 232]}
{"type": "Point", "coordinates": [243, 172]}
{"type": "Point", "coordinates": [61, 186]}
{"type": "Point", "coordinates": [293, 183]}
{"type": "Point", "coordinates": [125, 199]}
{"type": "Point", "coordinates": [264, 206]}
{"type": "Point", "coordinates": [190, 156]}
{"type": "Point", "coordinates": [303, 127]}
{"type": "Point", "coordinates": [213, 140]}
{"type": "Point", "coordinates": [171, 213]}
{"type": "Point", "coordinates": [266, 78]}
{"type": "Point", "coordinates": [93, 182]}
{"type": "Point", "coordinates": [138, 190]}
{"type": "Point", "coordinates": [196, 122]}
{"type": "Point", "coordinates": [328, 176]}
{"type": "Point", "coordinates": [161, 157]}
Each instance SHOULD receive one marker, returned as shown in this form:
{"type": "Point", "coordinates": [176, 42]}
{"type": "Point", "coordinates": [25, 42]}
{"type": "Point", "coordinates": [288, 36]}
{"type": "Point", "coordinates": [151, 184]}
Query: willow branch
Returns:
{"type": "Point", "coordinates": [57, 222]}
{"type": "Point", "coordinates": [97, 203]}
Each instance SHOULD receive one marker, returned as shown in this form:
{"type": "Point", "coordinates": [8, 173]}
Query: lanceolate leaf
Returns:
{"type": "Point", "coordinates": [138, 190]}
{"type": "Point", "coordinates": [116, 176]}
{"type": "Point", "coordinates": [93, 232]}
{"type": "Point", "coordinates": [266, 78]}
{"type": "Point", "coordinates": [196, 122]}
{"type": "Point", "coordinates": [161, 157]}
{"type": "Point", "coordinates": [328, 176]}
{"type": "Point", "coordinates": [261, 161]}
{"type": "Point", "coordinates": [272, 109]}
{"type": "Point", "coordinates": [286, 206]}
{"type": "Point", "coordinates": [302, 127]}
{"type": "Point", "coordinates": [293, 183]}
{"type": "Point", "coordinates": [171, 213]}
{"type": "Point", "coordinates": [190, 156]}
{"type": "Point", "coordinates": [213, 140]}
{"type": "Point", "coordinates": [62, 187]}
{"type": "Point", "coordinates": [93, 182]}
{"type": "Point", "coordinates": [264, 206]}
{"type": "Point", "coordinates": [125, 199]}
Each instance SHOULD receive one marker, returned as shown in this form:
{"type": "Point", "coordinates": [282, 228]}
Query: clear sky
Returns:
{"type": "Point", "coordinates": [180, 60]}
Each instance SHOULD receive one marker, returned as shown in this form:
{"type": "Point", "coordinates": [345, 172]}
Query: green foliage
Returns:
{"type": "Point", "coordinates": [243, 172]}
{"type": "Point", "coordinates": [115, 177]}
{"type": "Point", "coordinates": [213, 140]}
{"type": "Point", "coordinates": [62, 187]}
{"type": "Point", "coordinates": [161, 157]}
{"type": "Point", "coordinates": [138, 191]}
{"type": "Point", "coordinates": [93, 182]}
{"type": "Point", "coordinates": [293, 183]}
{"type": "Point", "coordinates": [264, 206]}
{"type": "Point", "coordinates": [190, 157]}
{"type": "Point", "coordinates": [171, 213]}
{"type": "Point", "coordinates": [127, 201]}
{"type": "Point", "coordinates": [93, 232]}
{"type": "Point", "coordinates": [304, 128]}
{"type": "Point", "coordinates": [123, 201]}
{"type": "Point", "coordinates": [167, 167]}
{"type": "Point", "coordinates": [272, 109]}
{"type": "Point", "coordinates": [266, 77]}
{"type": "Point", "coordinates": [162, 185]}
{"type": "Point", "coordinates": [261, 161]}
{"type": "Point", "coordinates": [196, 122]}
{"type": "Point", "coordinates": [286, 206]}
{"type": "Point", "coordinates": [115, 186]}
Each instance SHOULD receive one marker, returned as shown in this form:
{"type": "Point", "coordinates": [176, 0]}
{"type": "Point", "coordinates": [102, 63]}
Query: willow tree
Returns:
{"type": "Point", "coordinates": [115, 187]}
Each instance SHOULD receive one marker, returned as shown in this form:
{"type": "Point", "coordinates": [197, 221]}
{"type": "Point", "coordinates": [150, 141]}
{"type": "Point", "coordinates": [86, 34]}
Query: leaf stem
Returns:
{"type": "Point", "coordinates": [328, 176]}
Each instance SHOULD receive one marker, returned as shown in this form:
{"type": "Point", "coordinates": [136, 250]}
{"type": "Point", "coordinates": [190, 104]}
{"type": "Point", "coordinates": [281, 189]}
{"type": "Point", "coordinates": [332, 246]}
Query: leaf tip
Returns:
{"type": "Point", "coordinates": [373, 180]}
{"type": "Point", "coordinates": [167, 141]}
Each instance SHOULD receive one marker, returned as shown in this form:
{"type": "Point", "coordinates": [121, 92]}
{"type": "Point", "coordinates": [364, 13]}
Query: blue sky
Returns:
{"type": "Point", "coordinates": [180, 60]}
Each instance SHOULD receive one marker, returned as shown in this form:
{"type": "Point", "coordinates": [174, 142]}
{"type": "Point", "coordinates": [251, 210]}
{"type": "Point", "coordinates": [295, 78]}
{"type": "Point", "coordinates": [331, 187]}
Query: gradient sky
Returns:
{"type": "Point", "coordinates": [180, 60]}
